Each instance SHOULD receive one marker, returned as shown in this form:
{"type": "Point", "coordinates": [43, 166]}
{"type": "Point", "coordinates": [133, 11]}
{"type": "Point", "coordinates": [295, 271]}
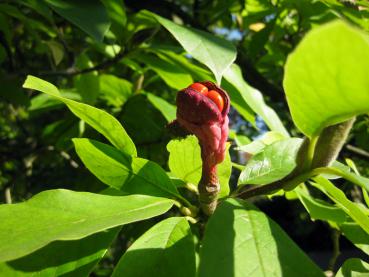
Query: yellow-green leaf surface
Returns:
{"type": "Point", "coordinates": [185, 163]}
{"type": "Point", "coordinates": [62, 258]}
{"type": "Point", "coordinates": [326, 78]}
{"type": "Point", "coordinates": [254, 99]}
{"type": "Point", "coordinates": [68, 215]}
{"type": "Point", "coordinates": [241, 241]}
{"type": "Point", "coordinates": [275, 162]}
{"type": "Point", "coordinates": [338, 196]}
{"type": "Point", "coordinates": [122, 172]}
{"type": "Point", "coordinates": [166, 250]}
{"type": "Point", "coordinates": [98, 119]}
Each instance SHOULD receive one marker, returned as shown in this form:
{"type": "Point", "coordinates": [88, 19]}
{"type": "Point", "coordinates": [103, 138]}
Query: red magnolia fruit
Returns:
{"type": "Point", "coordinates": [206, 116]}
{"type": "Point", "coordinates": [200, 88]}
{"type": "Point", "coordinates": [198, 115]}
{"type": "Point", "coordinates": [216, 98]}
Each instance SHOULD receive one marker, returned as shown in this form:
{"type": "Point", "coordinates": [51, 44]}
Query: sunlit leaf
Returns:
{"type": "Point", "coordinates": [326, 80]}
{"type": "Point", "coordinates": [100, 120]}
{"type": "Point", "coordinates": [167, 249]}
{"type": "Point", "coordinates": [240, 240]}
{"type": "Point", "coordinates": [275, 162]}
{"type": "Point", "coordinates": [68, 215]}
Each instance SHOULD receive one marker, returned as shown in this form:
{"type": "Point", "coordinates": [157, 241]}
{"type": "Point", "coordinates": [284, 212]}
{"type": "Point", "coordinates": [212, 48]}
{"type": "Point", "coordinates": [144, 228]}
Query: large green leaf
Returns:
{"type": "Point", "coordinates": [142, 120]}
{"type": "Point", "coordinates": [172, 74]}
{"type": "Point", "coordinates": [123, 172]}
{"type": "Point", "coordinates": [259, 144]}
{"type": "Point", "coordinates": [100, 120]}
{"type": "Point", "coordinates": [338, 196]}
{"type": "Point", "coordinates": [114, 90]}
{"type": "Point", "coordinates": [62, 258]}
{"type": "Point", "coordinates": [326, 80]}
{"type": "Point", "coordinates": [356, 235]}
{"type": "Point", "coordinates": [319, 209]}
{"type": "Point", "coordinates": [254, 99]}
{"type": "Point", "coordinates": [167, 249]}
{"type": "Point", "coordinates": [117, 15]}
{"type": "Point", "coordinates": [240, 240]}
{"type": "Point", "coordinates": [167, 110]}
{"type": "Point", "coordinates": [90, 16]}
{"type": "Point", "coordinates": [275, 162]}
{"type": "Point", "coordinates": [185, 163]}
{"type": "Point", "coordinates": [68, 215]}
{"type": "Point", "coordinates": [87, 85]}
{"type": "Point", "coordinates": [353, 267]}
{"type": "Point", "coordinates": [216, 53]}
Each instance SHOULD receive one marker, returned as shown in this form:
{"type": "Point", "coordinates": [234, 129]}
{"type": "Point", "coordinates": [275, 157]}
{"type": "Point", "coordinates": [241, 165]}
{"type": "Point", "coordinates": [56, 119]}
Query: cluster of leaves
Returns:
{"type": "Point", "coordinates": [129, 62]}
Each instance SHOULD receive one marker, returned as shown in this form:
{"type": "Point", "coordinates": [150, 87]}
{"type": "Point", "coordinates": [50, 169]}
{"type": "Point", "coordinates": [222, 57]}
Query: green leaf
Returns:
{"type": "Point", "coordinates": [258, 145]}
{"type": "Point", "coordinates": [240, 240]}
{"type": "Point", "coordinates": [338, 196]}
{"type": "Point", "coordinates": [356, 235]}
{"type": "Point", "coordinates": [345, 172]}
{"type": "Point", "coordinates": [100, 120]}
{"type": "Point", "coordinates": [62, 258]}
{"type": "Point", "coordinates": [353, 267]}
{"type": "Point", "coordinates": [172, 74]}
{"type": "Point", "coordinates": [90, 16]}
{"type": "Point", "coordinates": [254, 99]}
{"type": "Point", "coordinates": [216, 53]}
{"type": "Point", "coordinates": [68, 215]}
{"type": "Point", "coordinates": [123, 172]}
{"type": "Point", "coordinates": [114, 90]}
{"type": "Point", "coordinates": [185, 163]}
{"type": "Point", "coordinates": [87, 84]}
{"type": "Point", "coordinates": [117, 15]}
{"type": "Point", "coordinates": [141, 119]}
{"type": "Point", "coordinates": [319, 209]}
{"type": "Point", "coordinates": [168, 110]}
{"type": "Point", "coordinates": [275, 162]}
{"type": "Point", "coordinates": [326, 80]}
{"type": "Point", "coordinates": [167, 249]}
{"type": "Point", "coordinates": [57, 51]}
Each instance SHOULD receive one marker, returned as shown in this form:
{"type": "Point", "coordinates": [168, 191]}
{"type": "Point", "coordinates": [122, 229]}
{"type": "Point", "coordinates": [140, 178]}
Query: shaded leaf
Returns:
{"type": "Point", "coordinates": [90, 16]}
{"type": "Point", "coordinates": [168, 110]}
{"type": "Point", "coordinates": [172, 74]}
{"type": "Point", "coordinates": [114, 90]}
{"type": "Point", "coordinates": [353, 232]}
{"type": "Point", "coordinates": [338, 196]}
{"type": "Point", "coordinates": [319, 209]}
{"type": "Point", "coordinates": [353, 267]}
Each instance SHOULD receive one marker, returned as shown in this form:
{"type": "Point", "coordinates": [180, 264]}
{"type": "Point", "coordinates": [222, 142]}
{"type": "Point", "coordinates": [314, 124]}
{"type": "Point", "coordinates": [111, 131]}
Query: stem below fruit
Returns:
{"type": "Point", "coordinates": [208, 189]}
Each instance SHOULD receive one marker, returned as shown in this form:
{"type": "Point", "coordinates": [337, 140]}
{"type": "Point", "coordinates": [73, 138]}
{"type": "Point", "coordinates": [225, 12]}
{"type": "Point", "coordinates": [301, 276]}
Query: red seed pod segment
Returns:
{"type": "Point", "coordinates": [212, 94]}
